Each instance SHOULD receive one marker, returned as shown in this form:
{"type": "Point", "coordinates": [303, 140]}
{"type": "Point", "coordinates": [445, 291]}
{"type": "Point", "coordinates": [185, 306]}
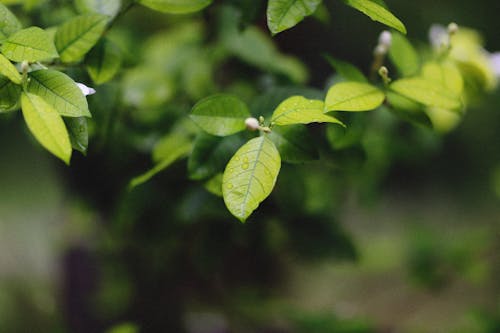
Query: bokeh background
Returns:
{"type": "Point", "coordinates": [399, 234]}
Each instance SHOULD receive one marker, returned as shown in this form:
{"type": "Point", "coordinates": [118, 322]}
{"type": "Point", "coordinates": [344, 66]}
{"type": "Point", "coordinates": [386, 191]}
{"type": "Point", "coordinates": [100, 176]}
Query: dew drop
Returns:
{"type": "Point", "coordinates": [237, 159]}
{"type": "Point", "coordinates": [229, 186]}
{"type": "Point", "coordinates": [244, 166]}
{"type": "Point", "coordinates": [245, 159]}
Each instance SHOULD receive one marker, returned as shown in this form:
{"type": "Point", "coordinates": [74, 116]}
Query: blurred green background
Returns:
{"type": "Point", "coordinates": [400, 234]}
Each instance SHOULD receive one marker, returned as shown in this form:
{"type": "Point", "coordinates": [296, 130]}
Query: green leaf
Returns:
{"type": "Point", "coordinates": [284, 14]}
{"type": "Point", "coordinates": [300, 110]}
{"type": "Point", "coordinates": [220, 114]}
{"type": "Point", "coordinates": [46, 125]}
{"type": "Point", "coordinates": [104, 61]}
{"type": "Point", "coordinates": [8, 22]}
{"type": "Point", "coordinates": [250, 176]}
{"type": "Point", "coordinates": [210, 154]}
{"type": "Point", "coordinates": [427, 92]}
{"type": "Point", "coordinates": [60, 91]}
{"type": "Point", "coordinates": [403, 55]}
{"type": "Point", "coordinates": [377, 12]}
{"type": "Point", "coordinates": [353, 96]}
{"type": "Point", "coordinates": [78, 133]}
{"type": "Point", "coordinates": [77, 36]}
{"type": "Point", "coordinates": [10, 94]}
{"type": "Point", "coordinates": [214, 185]}
{"type": "Point", "coordinates": [346, 70]}
{"type": "Point", "coordinates": [104, 7]}
{"type": "Point", "coordinates": [176, 6]}
{"type": "Point", "coordinates": [9, 70]}
{"type": "Point", "coordinates": [294, 143]}
{"type": "Point", "coordinates": [408, 109]}
{"type": "Point", "coordinates": [31, 44]}
{"type": "Point", "coordinates": [445, 73]}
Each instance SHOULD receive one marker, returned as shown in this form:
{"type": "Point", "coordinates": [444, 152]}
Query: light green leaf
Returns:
{"type": "Point", "coordinates": [31, 44]}
{"type": "Point", "coordinates": [214, 185]}
{"type": "Point", "coordinates": [445, 73]}
{"type": "Point", "coordinates": [176, 6]}
{"type": "Point", "coordinates": [300, 110]}
{"type": "Point", "coordinates": [9, 95]}
{"type": "Point", "coordinates": [9, 70]}
{"type": "Point", "coordinates": [46, 125]}
{"type": "Point", "coordinates": [104, 61]}
{"type": "Point", "coordinates": [220, 114]}
{"type": "Point", "coordinates": [104, 7]}
{"type": "Point", "coordinates": [353, 96]}
{"type": "Point", "coordinates": [427, 92]}
{"type": "Point", "coordinates": [294, 143]}
{"type": "Point", "coordinates": [408, 109]}
{"type": "Point", "coordinates": [346, 70]}
{"type": "Point", "coordinates": [60, 91]}
{"type": "Point", "coordinates": [78, 133]}
{"type": "Point", "coordinates": [210, 154]}
{"type": "Point", "coordinates": [284, 14]}
{"type": "Point", "coordinates": [250, 176]}
{"type": "Point", "coordinates": [403, 55]}
{"type": "Point", "coordinates": [377, 12]}
{"type": "Point", "coordinates": [8, 22]}
{"type": "Point", "coordinates": [77, 36]}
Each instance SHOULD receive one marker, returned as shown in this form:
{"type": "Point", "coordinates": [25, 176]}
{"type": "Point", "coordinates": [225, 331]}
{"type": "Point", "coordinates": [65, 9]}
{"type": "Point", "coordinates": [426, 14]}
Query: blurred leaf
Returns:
{"type": "Point", "coordinates": [31, 44]}
{"type": "Point", "coordinates": [9, 94]}
{"type": "Point", "coordinates": [60, 91]}
{"type": "Point", "coordinates": [214, 185]}
{"type": "Point", "coordinates": [377, 12]}
{"type": "Point", "coordinates": [284, 14]}
{"type": "Point", "coordinates": [250, 176]}
{"type": "Point", "coordinates": [78, 133]}
{"type": "Point", "coordinates": [77, 36]}
{"type": "Point", "coordinates": [9, 70]}
{"type": "Point", "coordinates": [294, 143]}
{"type": "Point", "coordinates": [104, 61]}
{"type": "Point", "coordinates": [408, 109]}
{"type": "Point", "coordinates": [147, 88]}
{"type": "Point", "coordinates": [445, 73]}
{"type": "Point", "coordinates": [124, 328]}
{"type": "Point", "coordinates": [353, 96]}
{"type": "Point", "coordinates": [346, 70]}
{"type": "Point", "coordinates": [403, 55]}
{"type": "Point", "coordinates": [300, 110]}
{"type": "Point", "coordinates": [220, 114]}
{"type": "Point", "coordinates": [105, 7]}
{"type": "Point", "coordinates": [176, 6]}
{"type": "Point", "coordinates": [46, 125]}
{"type": "Point", "coordinates": [8, 22]}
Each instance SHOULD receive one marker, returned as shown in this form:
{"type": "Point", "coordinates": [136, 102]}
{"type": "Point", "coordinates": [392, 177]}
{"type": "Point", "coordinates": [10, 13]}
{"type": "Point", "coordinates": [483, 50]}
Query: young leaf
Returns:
{"type": "Point", "coordinates": [214, 185]}
{"type": "Point", "coordinates": [353, 96]}
{"type": "Point", "coordinates": [377, 12]}
{"type": "Point", "coordinates": [78, 133]}
{"type": "Point", "coordinates": [9, 70]}
{"type": "Point", "coordinates": [46, 125]}
{"type": "Point", "coordinates": [346, 70]}
{"type": "Point", "coordinates": [284, 14]}
{"type": "Point", "coordinates": [77, 36]}
{"type": "Point", "coordinates": [250, 176]}
{"type": "Point", "coordinates": [103, 62]}
{"type": "Point", "coordinates": [8, 22]}
{"type": "Point", "coordinates": [60, 91]}
{"type": "Point", "coordinates": [447, 74]}
{"type": "Point", "coordinates": [403, 55]}
{"type": "Point", "coordinates": [294, 143]}
{"type": "Point", "coordinates": [31, 44]}
{"type": "Point", "coordinates": [210, 154]}
{"type": "Point", "coordinates": [300, 110]}
{"type": "Point", "coordinates": [176, 6]}
{"type": "Point", "coordinates": [220, 114]}
{"type": "Point", "coordinates": [9, 94]}
{"type": "Point", "coordinates": [427, 92]}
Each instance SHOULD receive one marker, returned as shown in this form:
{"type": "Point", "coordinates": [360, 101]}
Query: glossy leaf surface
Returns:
{"type": "Point", "coordinates": [377, 12]}
{"type": "Point", "coordinates": [31, 44]}
{"type": "Point", "coordinates": [300, 110]}
{"type": "Point", "coordinates": [9, 70]}
{"type": "Point", "coordinates": [176, 6]}
{"type": "Point", "coordinates": [284, 14]}
{"type": "Point", "coordinates": [353, 96]}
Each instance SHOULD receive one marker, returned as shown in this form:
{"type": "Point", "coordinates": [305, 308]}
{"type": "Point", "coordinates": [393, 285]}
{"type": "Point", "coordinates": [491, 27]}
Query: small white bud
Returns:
{"type": "Point", "coordinates": [438, 36]}
{"type": "Point", "coordinates": [495, 63]}
{"type": "Point", "coordinates": [383, 71]}
{"type": "Point", "coordinates": [385, 38]}
{"type": "Point", "coordinates": [380, 50]}
{"type": "Point", "coordinates": [85, 90]}
{"type": "Point", "coordinates": [452, 28]}
{"type": "Point", "coordinates": [252, 124]}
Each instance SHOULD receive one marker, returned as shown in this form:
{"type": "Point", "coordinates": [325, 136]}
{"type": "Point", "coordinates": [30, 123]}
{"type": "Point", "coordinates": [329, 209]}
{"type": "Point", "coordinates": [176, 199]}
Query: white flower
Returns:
{"type": "Point", "coordinates": [85, 90]}
{"type": "Point", "coordinates": [495, 63]}
{"type": "Point", "coordinates": [252, 124]}
{"type": "Point", "coordinates": [439, 36]}
{"type": "Point", "coordinates": [385, 38]}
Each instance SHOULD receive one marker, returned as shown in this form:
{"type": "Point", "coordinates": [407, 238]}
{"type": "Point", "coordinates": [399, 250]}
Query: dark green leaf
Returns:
{"type": "Point", "coordinates": [284, 14]}
{"type": "Point", "coordinates": [8, 22]}
{"type": "Point", "coordinates": [104, 61]}
{"type": "Point", "coordinates": [346, 70]}
{"type": "Point", "coordinates": [294, 143]}
{"type": "Point", "coordinates": [10, 94]}
{"type": "Point", "coordinates": [78, 133]}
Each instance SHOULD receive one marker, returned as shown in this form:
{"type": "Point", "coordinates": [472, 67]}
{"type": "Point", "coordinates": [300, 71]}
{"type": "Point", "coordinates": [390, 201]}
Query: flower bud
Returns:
{"type": "Point", "coordinates": [380, 50]}
{"type": "Point", "coordinates": [252, 124]}
{"type": "Point", "coordinates": [452, 28]}
{"type": "Point", "coordinates": [85, 90]}
{"type": "Point", "coordinates": [385, 38]}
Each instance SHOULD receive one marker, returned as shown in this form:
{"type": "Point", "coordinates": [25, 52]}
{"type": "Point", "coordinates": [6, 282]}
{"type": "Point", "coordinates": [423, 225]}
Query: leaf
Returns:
{"type": "Point", "coordinates": [353, 96]}
{"type": "Point", "coordinates": [427, 92]}
{"type": "Point", "coordinates": [77, 36]}
{"type": "Point", "coordinates": [377, 12]}
{"type": "Point", "coordinates": [210, 154]}
{"type": "Point", "coordinates": [78, 133]}
{"type": "Point", "coordinates": [46, 125]}
{"type": "Point", "coordinates": [60, 91]}
{"type": "Point", "coordinates": [214, 185]}
{"type": "Point", "coordinates": [104, 7]}
{"type": "Point", "coordinates": [31, 44]}
{"type": "Point", "coordinates": [176, 6]}
{"type": "Point", "coordinates": [284, 14]}
{"type": "Point", "coordinates": [250, 176]}
{"type": "Point", "coordinates": [103, 62]}
{"type": "Point", "coordinates": [403, 55]}
{"type": "Point", "coordinates": [348, 71]}
{"type": "Point", "coordinates": [294, 143]}
{"type": "Point", "coordinates": [9, 70]}
{"type": "Point", "coordinates": [9, 94]}
{"type": "Point", "coordinates": [445, 73]}
{"type": "Point", "coordinates": [8, 22]}
{"type": "Point", "coordinates": [220, 114]}
{"type": "Point", "coordinates": [300, 110]}
{"type": "Point", "coordinates": [408, 109]}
